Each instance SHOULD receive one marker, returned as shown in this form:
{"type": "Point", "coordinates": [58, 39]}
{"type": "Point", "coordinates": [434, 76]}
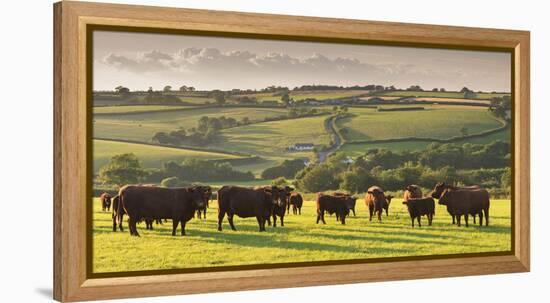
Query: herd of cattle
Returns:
{"type": "Point", "coordinates": [151, 203]}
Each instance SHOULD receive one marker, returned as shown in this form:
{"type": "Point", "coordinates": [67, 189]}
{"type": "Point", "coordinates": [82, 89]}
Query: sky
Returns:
{"type": "Point", "coordinates": [142, 60]}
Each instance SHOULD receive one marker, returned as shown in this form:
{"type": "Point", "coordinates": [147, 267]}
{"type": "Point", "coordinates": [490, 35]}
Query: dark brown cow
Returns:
{"type": "Point", "coordinates": [245, 203]}
{"type": "Point", "coordinates": [105, 200]}
{"type": "Point", "coordinates": [146, 202]}
{"type": "Point", "coordinates": [376, 201]}
{"type": "Point", "coordinates": [296, 201]}
{"type": "Point", "coordinates": [333, 205]}
{"type": "Point", "coordinates": [201, 212]}
{"type": "Point", "coordinates": [412, 191]}
{"type": "Point", "coordinates": [279, 209]}
{"type": "Point", "coordinates": [441, 186]}
{"type": "Point", "coordinates": [350, 201]}
{"type": "Point", "coordinates": [419, 207]}
{"type": "Point", "coordinates": [465, 202]}
{"type": "Point", "coordinates": [117, 213]}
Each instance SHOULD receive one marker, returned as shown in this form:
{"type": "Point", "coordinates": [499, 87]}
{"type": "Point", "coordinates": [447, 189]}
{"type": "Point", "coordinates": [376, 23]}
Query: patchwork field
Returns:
{"type": "Point", "coordinates": [136, 109]}
{"type": "Point", "coordinates": [299, 240]}
{"type": "Point", "coordinates": [434, 121]}
{"type": "Point", "coordinates": [317, 95]}
{"type": "Point", "coordinates": [149, 155]}
{"type": "Point", "coordinates": [142, 126]}
{"type": "Point", "coordinates": [441, 94]}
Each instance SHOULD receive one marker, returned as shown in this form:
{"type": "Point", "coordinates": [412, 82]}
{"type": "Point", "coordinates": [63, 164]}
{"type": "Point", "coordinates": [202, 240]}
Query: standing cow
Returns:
{"type": "Point", "coordinates": [333, 205]}
{"type": "Point", "coordinates": [465, 202]}
{"type": "Point", "coordinates": [279, 209]}
{"type": "Point", "coordinates": [296, 201]}
{"type": "Point", "coordinates": [245, 203]}
{"type": "Point", "coordinates": [376, 201]}
{"type": "Point", "coordinates": [350, 201]}
{"type": "Point", "coordinates": [441, 186]}
{"type": "Point", "coordinates": [105, 200]}
{"type": "Point", "coordinates": [146, 202]}
{"type": "Point", "coordinates": [419, 207]}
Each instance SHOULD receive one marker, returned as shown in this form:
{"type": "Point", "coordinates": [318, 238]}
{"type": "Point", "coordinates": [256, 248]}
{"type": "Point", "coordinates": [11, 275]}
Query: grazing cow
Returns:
{"type": "Point", "coordinates": [105, 200]}
{"type": "Point", "coordinates": [419, 207]}
{"type": "Point", "coordinates": [375, 200]}
{"type": "Point", "coordinates": [118, 213]}
{"type": "Point", "coordinates": [201, 212]}
{"type": "Point", "coordinates": [333, 205]}
{"type": "Point", "coordinates": [147, 203]}
{"type": "Point", "coordinates": [296, 201]}
{"type": "Point", "coordinates": [441, 186]}
{"type": "Point", "coordinates": [465, 202]}
{"type": "Point", "coordinates": [247, 202]}
{"type": "Point", "coordinates": [412, 191]}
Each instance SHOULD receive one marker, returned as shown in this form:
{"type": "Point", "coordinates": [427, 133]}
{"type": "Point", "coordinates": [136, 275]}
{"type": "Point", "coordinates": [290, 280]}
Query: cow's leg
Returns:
{"type": "Point", "coordinates": [353, 210]}
{"type": "Point", "coordinates": [204, 213]}
{"type": "Point", "coordinates": [318, 217]}
{"type": "Point", "coordinates": [283, 220]}
{"type": "Point", "coordinates": [412, 222]}
{"type": "Point", "coordinates": [120, 222]}
{"type": "Point", "coordinates": [274, 220]}
{"type": "Point", "coordinates": [418, 219]}
{"type": "Point", "coordinates": [474, 216]}
{"type": "Point", "coordinates": [323, 217]}
{"type": "Point", "coordinates": [230, 219]}
{"type": "Point", "coordinates": [379, 215]}
{"type": "Point", "coordinates": [183, 227]}
{"type": "Point", "coordinates": [466, 219]}
{"type": "Point", "coordinates": [343, 219]}
{"type": "Point", "coordinates": [132, 226]}
{"type": "Point", "coordinates": [175, 224]}
{"type": "Point", "coordinates": [386, 212]}
{"type": "Point", "coordinates": [480, 218]}
{"type": "Point", "coordinates": [261, 223]}
{"type": "Point", "coordinates": [458, 220]}
{"type": "Point", "coordinates": [300, 210]}
{"type": "Point", "coordinates": [114, 223]}
{"type": "Point", "coordinates": [221, 214]}
{"type": "Point", "coordinates": [370, 213]}
{"type": "Point", "coordinates": [430, 219]}
{"type": "Point", "coordinates": [486, 216]}
{"type": "Point", "coordinates": [453, 216]}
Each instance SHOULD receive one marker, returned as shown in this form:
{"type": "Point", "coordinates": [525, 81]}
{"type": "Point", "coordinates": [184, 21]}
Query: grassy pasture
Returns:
{"type": "Point", "coordinates": [299, 240]}
{"type": "Point", "coordinates": [150, 156]}
{"type": "Point", "coordinates": [270, 139]}
{"type": "Point", "coordinates": [142, 127]}
{"type": "Point", "coordinates": [433, 122]}
{"type": "Point", "coordinates": [441, 94]}
{"type": "Point", "coordinates": [318, 95]}
{"type": "Point", "coordinates": [135, 108]}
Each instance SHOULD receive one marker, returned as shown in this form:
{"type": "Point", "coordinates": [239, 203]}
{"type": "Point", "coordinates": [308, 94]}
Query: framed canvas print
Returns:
{"type": "Point", "coordinates": [206, 151]}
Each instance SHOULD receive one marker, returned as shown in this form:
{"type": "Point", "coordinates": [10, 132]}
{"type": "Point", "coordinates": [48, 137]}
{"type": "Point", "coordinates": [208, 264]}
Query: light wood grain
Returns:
{"type": "Point", "coordinates": [70, 145]}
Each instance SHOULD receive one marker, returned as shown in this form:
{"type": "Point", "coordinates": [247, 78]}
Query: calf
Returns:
{"type": "Point", "coordinates": [419, 207]}
{"type": "Point", "coordinates": [333, 205]}
{"type": "Point", "coordinates": [201, 212]}
{"type": "Point", "coordinates": [296, 201]}
{"type": "Point", "coordinates": [117, 214]}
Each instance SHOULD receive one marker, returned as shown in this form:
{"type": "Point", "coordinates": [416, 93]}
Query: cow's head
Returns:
{"type": "Point", "coordinates": [350, 201]}
{"type": "Point", "coordinates": [378, 195]}
{"type": "Point", "coordinates": [272, 193]}
{"type": "Point", "coordinates": [411, 188]}
{"type": "Point", "coordinates": [446, 196]}
{"type": "Point", "coordinates": [438, 190]}
{"type": "Point", "coordinates": [196, 196]}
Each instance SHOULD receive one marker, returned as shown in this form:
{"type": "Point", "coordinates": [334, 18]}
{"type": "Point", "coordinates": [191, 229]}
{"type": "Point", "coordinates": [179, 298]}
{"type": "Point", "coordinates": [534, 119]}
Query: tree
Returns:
{"type": "Point", "coordinates": [167, 88]}
{"type": "Point", "coordinates": [435, 89]}
{"type": "Point", "coordinates": [183, 88]}
{"type": "Point", "coordinates": [219, 96]}
{"type": "Point", "coordinates": [442, 89]}
{"type": "Point", "coordinates": [470, 95]}
{"type": "Point", "coordinates": [122, 169]}
{"type": "Point", "coordinates": [281, 181]}
{"type": "Point", "coordinates": [121, 90]}
{"type": "Point", "coordinates": [464, 89]}
{"type": "Point", "coordinates": [285, 98]}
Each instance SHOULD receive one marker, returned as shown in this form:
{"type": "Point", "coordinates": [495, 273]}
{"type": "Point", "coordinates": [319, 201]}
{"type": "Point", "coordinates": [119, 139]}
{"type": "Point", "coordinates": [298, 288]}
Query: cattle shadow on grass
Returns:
{"type": "Point", "coordinates": [266, 240]}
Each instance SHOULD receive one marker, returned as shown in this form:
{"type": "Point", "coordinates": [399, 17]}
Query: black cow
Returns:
{"type": "Point", "coordinates": [465, 202]}
{"type": "Point", "coordinates": [146, 202]}
{"type": "Point", "coordinates": [333, 205]}
{"type": "Point", "coordinates": [245, 203]}
{"type": "Point", "coordinates": [296, 201]}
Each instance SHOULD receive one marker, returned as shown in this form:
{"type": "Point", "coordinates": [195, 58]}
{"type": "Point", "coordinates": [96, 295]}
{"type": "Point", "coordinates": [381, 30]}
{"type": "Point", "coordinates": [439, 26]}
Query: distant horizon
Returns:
{"type": "Point", "coordinates": [142, 60]}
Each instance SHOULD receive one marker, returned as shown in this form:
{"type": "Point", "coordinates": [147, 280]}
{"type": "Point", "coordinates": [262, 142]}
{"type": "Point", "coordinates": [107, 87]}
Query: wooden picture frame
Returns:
{"type": "Point", "coordinates": [71, 20]}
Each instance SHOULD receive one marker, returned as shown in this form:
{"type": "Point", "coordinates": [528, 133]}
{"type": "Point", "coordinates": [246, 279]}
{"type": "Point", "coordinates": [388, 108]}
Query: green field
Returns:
{"type": "Point", "coordinates": [142, 127]}
{"type": "Point", "coordinates": [300, 240]}
{"type": "Point", "coordinates": [441, 94]}
{"type": "Point", "coordinates": [150, 156]}
{"type": "Point", "coordinates": [270, 139]}
{"type": "Point", "coordinates": [135, 109]}
{"type": "Point", "coordinates": [317, 95]}
{"type": "Point", "coordinates": [435, 121]}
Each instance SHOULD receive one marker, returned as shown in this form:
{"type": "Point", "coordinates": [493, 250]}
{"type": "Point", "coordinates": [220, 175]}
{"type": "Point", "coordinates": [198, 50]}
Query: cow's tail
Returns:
{"type": "Point", "coordinates": [120, 208]}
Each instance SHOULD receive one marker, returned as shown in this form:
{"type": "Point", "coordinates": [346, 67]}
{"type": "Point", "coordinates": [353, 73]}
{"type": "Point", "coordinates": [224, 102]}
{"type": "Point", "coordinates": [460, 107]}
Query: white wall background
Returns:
{"type": "Point", "coordinates": [26, 149]}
